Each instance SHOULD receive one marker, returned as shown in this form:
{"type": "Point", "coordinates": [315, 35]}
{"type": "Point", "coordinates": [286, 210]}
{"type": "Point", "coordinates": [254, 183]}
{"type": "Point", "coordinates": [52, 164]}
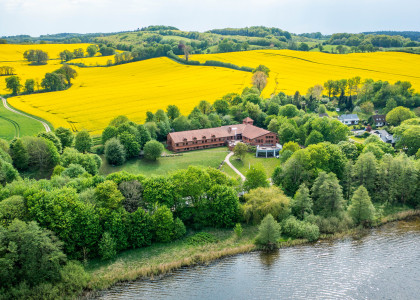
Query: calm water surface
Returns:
{"type": "Point", "coordinates": [385, 264]}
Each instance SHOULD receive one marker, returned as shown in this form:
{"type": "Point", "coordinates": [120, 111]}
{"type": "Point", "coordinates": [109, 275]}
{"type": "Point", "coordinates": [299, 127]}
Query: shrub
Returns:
{"type": "Point", "coordinates": [73, 171]}
{"type": "Point", "coordinates": [114, 152]}
{"type": "Point", "coordinates": [7, 172]}
{"type": "Point", "coordinates": [65, 135]}
{"type": "Point", "coordinates": [107, 247]}
{"type": "Point", "coordinates": [90, 162]}
{"type": "Point", "coordinates": [263, 201]}
{"type": "Point", "coordinates": [331, 225]}
{"type": "Point", "coordinates": [202, 238]}
{"type": "Point", "coordinates": [163, 224]}
{"type": "Point", "coordinates": [300, 229]}
{"type": "Point", "coordinates": [83, 141]}
{"type": "Point", "coordinates": [179, 229]}
{"type": "Point", "coordinates": [268, 233]}
{"type": "Point", "coordinates": [12, 208]}
{"type": "Point", "coordinates": [99, 149]}
{"type": "Point", "coordinates": [152, 150]}
{"type": "Point", "coordinates": [238, 230]}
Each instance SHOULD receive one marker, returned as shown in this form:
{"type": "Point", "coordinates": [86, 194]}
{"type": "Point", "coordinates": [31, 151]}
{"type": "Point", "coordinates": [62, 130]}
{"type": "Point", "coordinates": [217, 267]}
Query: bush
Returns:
{"type": "Point", "coordinates": [73, 171]}
{"type": "Point", "coordinates": [268, 233]}
{"type": "Point", "coordinates": [90, 162]}
{"type": "Point", "coordinates": [201, 238]}
{"type": "Point", "coordinates": [114, 152]}
{"type": "Point", "coordinates": [238, 230]}
{"type": "Point", "coordinates": [107, 247]}
{"type": "Point", "coordinates": [331, 225]}
{"type": "Point", "coordinates": [152, 150]}
{"type": "Point", "coordinates": [300, 229]}
{"type": "Point", "coordinates": [179, 229]}
{"type": "Point", "coordinates": [83, 141]}
{"type": "Point", "coordinates": [12, 208]}
{"type": "Point", "coordinates": [263, 201]}
{"type": "Point", "coordinates": [99, 149]}
{"type": "Point", "coordinates": [163, 224]}
{"type": "Point", "coordinates": [7, 172]}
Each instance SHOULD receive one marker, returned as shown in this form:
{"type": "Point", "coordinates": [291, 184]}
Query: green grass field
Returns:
{"type": "Point", "coordinates": [269, 164]}
{"type": "Point", "coordinates": [12, 124]}
{"type": "Point", "coordinates": [164, 165]}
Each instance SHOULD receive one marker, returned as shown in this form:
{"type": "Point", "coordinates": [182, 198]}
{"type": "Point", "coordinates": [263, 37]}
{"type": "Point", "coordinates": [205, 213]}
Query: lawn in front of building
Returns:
{"type": "Point", "coordinates": [269, 163]}
{"type": "Point", "coordinates": [164, 165]}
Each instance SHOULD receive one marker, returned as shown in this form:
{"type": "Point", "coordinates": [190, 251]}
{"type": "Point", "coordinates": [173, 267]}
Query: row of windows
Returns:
{"type": "Point", "coordinates": [204, 141]}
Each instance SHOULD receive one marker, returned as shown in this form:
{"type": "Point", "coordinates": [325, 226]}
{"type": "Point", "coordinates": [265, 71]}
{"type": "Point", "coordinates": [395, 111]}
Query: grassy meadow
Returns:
{"type": "Point", "coordinates": [13, 125]}
{"type": "Point", "coordinates": [243, 166]}
{"type": "Point", "coordinates": [164, 165]}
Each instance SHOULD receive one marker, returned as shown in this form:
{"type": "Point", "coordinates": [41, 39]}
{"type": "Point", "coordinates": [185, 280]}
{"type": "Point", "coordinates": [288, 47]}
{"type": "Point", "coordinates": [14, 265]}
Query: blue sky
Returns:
{"type": "Point", "coordinates": [35, 17]}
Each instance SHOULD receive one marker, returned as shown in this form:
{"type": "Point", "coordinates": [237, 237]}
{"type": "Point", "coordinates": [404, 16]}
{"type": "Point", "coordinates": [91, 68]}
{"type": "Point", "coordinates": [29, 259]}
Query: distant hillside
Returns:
{"type": "Point", "coordinates": [158, 40]}
{"type": "Point", "coordinates": [414, 35]}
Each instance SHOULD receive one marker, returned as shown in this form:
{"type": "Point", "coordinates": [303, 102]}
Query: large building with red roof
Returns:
{"type": "Point", "coordinates": [221, 136]}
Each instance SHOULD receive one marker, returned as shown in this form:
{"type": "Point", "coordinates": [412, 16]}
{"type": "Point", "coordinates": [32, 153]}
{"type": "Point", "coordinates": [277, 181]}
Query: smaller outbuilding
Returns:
{"type": "Point", "coordinates": [379, 120]}
{"type": "Point", "coordinates": [323, 115]}
{"type": "Point", "coordinates": [268, 151]}
{"type": "Point", "coordinates": [351, 119]}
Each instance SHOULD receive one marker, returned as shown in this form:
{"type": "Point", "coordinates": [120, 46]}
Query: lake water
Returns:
{"type": "Point", "coordinates": [384, 264]}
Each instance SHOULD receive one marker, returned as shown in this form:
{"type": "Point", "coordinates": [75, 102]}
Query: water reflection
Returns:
{"type": "Point", "coordinates": [385, 264]}
{"type": "Point", "coordinates": [269, 258]}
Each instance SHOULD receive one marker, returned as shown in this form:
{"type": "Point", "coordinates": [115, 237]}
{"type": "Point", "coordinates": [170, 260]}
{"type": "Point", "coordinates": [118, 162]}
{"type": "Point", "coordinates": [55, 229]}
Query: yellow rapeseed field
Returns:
{"type": "Point", "coordinates": [12, 55]}
{"type": "Point", "coordinates": [293, 71]}
{"type": "Point", "coordinates": [100, 94]}
{"type": "Point", "coordinates": [94, 61]}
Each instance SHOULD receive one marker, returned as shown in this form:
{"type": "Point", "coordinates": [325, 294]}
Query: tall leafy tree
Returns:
{"type": "Point", "coordinates": [83, 141]}
{"type": "Point", "coordinates": [327, 195]}
{"type": "Point", "coordinates": [361, 208]}
{"type": "Point", "coordinates": [268, 233]}
{"type": "Point", "coordinates": [65, 135]}
{"type": "Point", "coordinates": [302, 202]}
{"type": "Point", "coordinates": [13, 84]}
{"type": "Point", "coordinates": [19, 154]}
{"type": "Point", "coordinates": [114, 152]}
{"type": "Point", "coordinates": [152, 150]}
{"type": "Point", "coordinates": [255, 178]}
{"type": "Point", "coordinates": [68, 72]}
{"type": "Point", "coordinates": [365, 171]}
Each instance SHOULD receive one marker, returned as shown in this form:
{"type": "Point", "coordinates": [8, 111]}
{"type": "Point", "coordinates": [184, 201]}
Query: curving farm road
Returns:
{"type": "Point", "coordinates": [46, 126]}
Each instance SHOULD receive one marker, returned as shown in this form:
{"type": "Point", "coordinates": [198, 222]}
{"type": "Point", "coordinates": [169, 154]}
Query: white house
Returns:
{"type": "Point", "coordinates": [351, 119]}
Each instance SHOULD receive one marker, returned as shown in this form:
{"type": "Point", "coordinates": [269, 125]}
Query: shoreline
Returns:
{"type": "Point", "coordinates": [207, 256]}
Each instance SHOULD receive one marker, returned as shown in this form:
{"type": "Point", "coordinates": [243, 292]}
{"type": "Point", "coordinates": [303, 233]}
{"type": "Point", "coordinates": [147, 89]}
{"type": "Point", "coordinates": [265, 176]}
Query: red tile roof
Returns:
{"type": "Point", "coordinates": [248, 131]}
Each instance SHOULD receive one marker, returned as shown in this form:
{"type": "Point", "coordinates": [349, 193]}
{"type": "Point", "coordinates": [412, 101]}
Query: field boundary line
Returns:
{"type": "Point", "coordinates": [6, 106]}
{"type": "Point", "coordinates": [15, 125]}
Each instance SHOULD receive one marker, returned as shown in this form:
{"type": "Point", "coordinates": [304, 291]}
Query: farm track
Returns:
{"type": "Point", "coordinates": [15, 125]}
{"type": "Point", "coordinates": [46, 126]}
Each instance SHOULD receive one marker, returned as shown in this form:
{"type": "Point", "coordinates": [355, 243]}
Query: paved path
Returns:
{"type": "Point", "coordinates": [47, 128]}
{"type": "Point", "coordinates": [233, 168]}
